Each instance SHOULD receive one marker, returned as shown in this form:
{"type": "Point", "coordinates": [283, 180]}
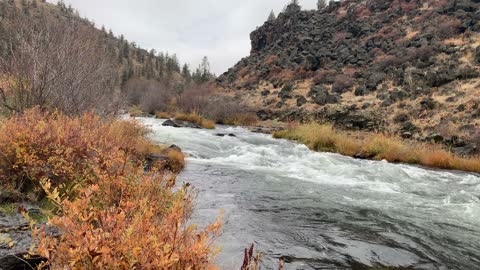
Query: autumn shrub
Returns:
{"type": "Point", "coordinates": [194, 99]}
{"type": "Point", "coordinates": [229, 110]}
{"type": "Point", "coordinates": [323, 137]}
{"type": "Point", "coordinates": [384, 61]}
{"type": "Point", "coordinates": [324, 76]}
{"type": "Point", "coordinates": [108, 212]}
{"type": "Point", "coordinates": [342, 83]}
{"type": "Point", "coordinates": [285, 75]}
{"type": "Point", "coordinates": [149, 95]}
{"type": "Point", "coordinates": [243, 72]}
{"type": "Point", "coordinates": [36, 145]}
{"type": "Point", "coordinates": [127, 220]}
{"type": "Point", "coordinates": [176, 160]}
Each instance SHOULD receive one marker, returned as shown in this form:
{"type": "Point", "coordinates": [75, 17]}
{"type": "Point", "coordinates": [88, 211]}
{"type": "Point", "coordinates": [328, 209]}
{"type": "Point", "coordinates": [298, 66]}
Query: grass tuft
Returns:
{"type": "Point", "coordinates": [196, 119]}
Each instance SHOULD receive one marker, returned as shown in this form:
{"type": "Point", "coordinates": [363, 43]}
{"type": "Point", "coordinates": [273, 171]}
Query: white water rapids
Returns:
{"type": "Point", "coordinates": [326, 211]}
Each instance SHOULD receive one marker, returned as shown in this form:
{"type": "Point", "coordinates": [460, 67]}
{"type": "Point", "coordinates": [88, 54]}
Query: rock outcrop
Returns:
{"type": "Point", "coordinates": [376, 58]}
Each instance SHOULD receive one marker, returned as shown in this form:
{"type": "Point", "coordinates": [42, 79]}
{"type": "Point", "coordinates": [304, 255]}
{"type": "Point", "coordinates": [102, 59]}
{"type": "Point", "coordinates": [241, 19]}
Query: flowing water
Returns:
{"type": "Point", "coordinates": [326, 211]}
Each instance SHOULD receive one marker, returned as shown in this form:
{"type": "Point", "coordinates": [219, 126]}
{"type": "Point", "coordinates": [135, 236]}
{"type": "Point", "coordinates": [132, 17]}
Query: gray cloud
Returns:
{"type": "Point", "coordinates": [192, 29]}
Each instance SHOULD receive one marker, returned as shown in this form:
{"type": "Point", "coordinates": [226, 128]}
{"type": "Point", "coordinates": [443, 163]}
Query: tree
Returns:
{"type": "Point", "coordinates": [321, 4]}
{"type": "Point", "coordinates": [203, 74]}
{"type": "Point", "coordinates": [55, 64]}
{"type": "Point", "coordinates": [271, 17]}
{"type": "Point", "coordinates": [293, 7]}
{"type": "Point", "coordinates": [186, 73]}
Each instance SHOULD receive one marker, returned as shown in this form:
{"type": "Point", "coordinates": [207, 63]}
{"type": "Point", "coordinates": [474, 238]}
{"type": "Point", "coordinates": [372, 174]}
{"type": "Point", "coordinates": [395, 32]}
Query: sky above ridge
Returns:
{"type": "Point", "coordinates": [192, 29]}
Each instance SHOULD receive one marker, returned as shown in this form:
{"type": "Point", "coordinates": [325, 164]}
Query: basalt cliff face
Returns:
{"type": "Point", "coordinates": [410, 67]}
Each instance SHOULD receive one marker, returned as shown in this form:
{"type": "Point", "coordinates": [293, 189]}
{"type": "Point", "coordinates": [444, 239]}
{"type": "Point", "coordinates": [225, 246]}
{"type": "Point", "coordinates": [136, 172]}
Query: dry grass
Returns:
{"type": "Point", "coordinates": [163, 115]}
{"type": "Point", "coordinates": [325, 138]}
{"type": "Point", "coordinates": [196, 119]}
{"type": "Point", "coordinates": [243, 119]}
{"type": "Point", "coordinates": [136, 111]}
{"type": "Point", "coordinates": [177, 160]}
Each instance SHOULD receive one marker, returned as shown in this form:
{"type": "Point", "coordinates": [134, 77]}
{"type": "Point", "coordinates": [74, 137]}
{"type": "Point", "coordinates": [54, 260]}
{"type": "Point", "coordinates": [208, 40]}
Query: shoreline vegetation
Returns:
{"type": "Point", "coordinates": [107, 192]}
{"type": "Point", "coordinates": [325, 138]}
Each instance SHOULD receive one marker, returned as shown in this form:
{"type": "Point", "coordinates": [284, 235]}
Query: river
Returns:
{"type": "Point", "coordinates": [323, 210]}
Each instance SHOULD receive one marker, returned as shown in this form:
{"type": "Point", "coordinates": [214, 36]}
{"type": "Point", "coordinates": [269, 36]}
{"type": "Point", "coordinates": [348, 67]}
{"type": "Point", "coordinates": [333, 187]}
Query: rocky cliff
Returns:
{"type": "Point", "coordinates": [410, 67]}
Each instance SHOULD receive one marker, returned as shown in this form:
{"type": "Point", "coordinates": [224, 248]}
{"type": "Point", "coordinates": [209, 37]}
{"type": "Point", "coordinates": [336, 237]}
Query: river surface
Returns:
{"type": "Point", "coordinates": [326, 211]}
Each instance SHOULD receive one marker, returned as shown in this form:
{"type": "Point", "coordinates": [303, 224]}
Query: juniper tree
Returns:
{"type": "Point", "coordinates": [321, 4]}
{"type": "Point", "coordinates": [271, 17]}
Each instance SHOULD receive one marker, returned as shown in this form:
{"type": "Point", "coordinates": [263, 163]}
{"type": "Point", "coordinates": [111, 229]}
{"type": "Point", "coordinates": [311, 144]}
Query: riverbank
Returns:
{"type": "Point", "coordinates": [325, 138]}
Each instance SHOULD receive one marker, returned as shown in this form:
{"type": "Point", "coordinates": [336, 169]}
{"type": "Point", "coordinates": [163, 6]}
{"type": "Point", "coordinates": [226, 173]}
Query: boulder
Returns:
{"type": "Point", "coordinates": [301, 100]}
{"type": "Point", "coordinates": [321, 96]}
{"type": "Point", "coordinates": [263, 115]}
{"type": "Point", "coordinates": [286, 91]}
{"type": "Point", "coordinates": [407, 135]}
{"type": "Point", "coordinates": [428, 104]}
{"type": "Point", "coordinates": [180, 124]}
{"type": "Point", "coordinates": [16, 230]}
{"type": "Point", "coordinates": [465, 150]}
{"type": "Point", "coordinates": [436, 138]}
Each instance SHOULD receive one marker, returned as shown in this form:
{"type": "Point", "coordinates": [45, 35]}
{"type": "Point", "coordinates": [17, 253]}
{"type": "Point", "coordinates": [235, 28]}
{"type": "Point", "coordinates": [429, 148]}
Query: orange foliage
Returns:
{"type": "Point", "coordinates": [110, 213]}
{"type": "Point", "coordinates": [131, 221]}
{"type": "Point", "coordinates": [36, 145]}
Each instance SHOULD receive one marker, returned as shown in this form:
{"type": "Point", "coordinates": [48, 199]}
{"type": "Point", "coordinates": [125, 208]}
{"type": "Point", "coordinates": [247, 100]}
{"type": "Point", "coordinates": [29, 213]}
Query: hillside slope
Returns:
{"type": "Point", "coordinates": [410, 67]}
{"type": "Point", "coordinates": [129, 61]}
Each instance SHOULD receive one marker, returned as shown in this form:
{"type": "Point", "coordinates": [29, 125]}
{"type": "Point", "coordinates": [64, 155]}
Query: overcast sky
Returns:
{"type": "Point", "coordinates": [192, 29]}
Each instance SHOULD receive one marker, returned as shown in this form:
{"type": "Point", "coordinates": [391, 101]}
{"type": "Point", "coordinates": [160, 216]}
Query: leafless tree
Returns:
{"type": "Point", "coordinates": [55, 64]}
{"type": "Point", "coordinates": [152, 96]}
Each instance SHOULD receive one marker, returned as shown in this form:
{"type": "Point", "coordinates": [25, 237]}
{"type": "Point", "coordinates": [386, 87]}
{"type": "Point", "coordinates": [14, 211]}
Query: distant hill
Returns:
{"type": "Point", "coordinates": [132, 60]}
{"type": "Point", "coordinates": [148, 79]}
{"type": "Point", "coordinates": [410, 67]}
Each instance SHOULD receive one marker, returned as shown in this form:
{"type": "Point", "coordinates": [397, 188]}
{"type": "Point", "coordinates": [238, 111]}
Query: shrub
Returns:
{"type": "Point", "coordinates": [271, 59]}
{"type": "Point", "coordinates": [384, 61]}
{"type": "Point", "coordinates": [149, 95]}
{"type": "Point", "coordinates": [285, 75]}
{"type": "Point", "coordinates": [324, 76]}
{"type": "Point", "coordinates": [195, 98]}
{"type": "Point", "coordinates": [447, 27]}
{"type": "Point", "coordinates": [342, 83]}
{"type": "Point", "coordinates": [109, 213]}
{"type": "Point", "coordinates": [339, 38]}
{"type": "Point", "coordinates": [36, 145]}
{"type": "Point", "coordinates": [476, 137]}
{"type": "Point", "coordinates": [423, 53]}
{"type": "Point", "coordinates": [228, 110]}
{"type": "Point", "coordinates": [243, 72]}
{"type": "Point", "coordinates": [129, 221]}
